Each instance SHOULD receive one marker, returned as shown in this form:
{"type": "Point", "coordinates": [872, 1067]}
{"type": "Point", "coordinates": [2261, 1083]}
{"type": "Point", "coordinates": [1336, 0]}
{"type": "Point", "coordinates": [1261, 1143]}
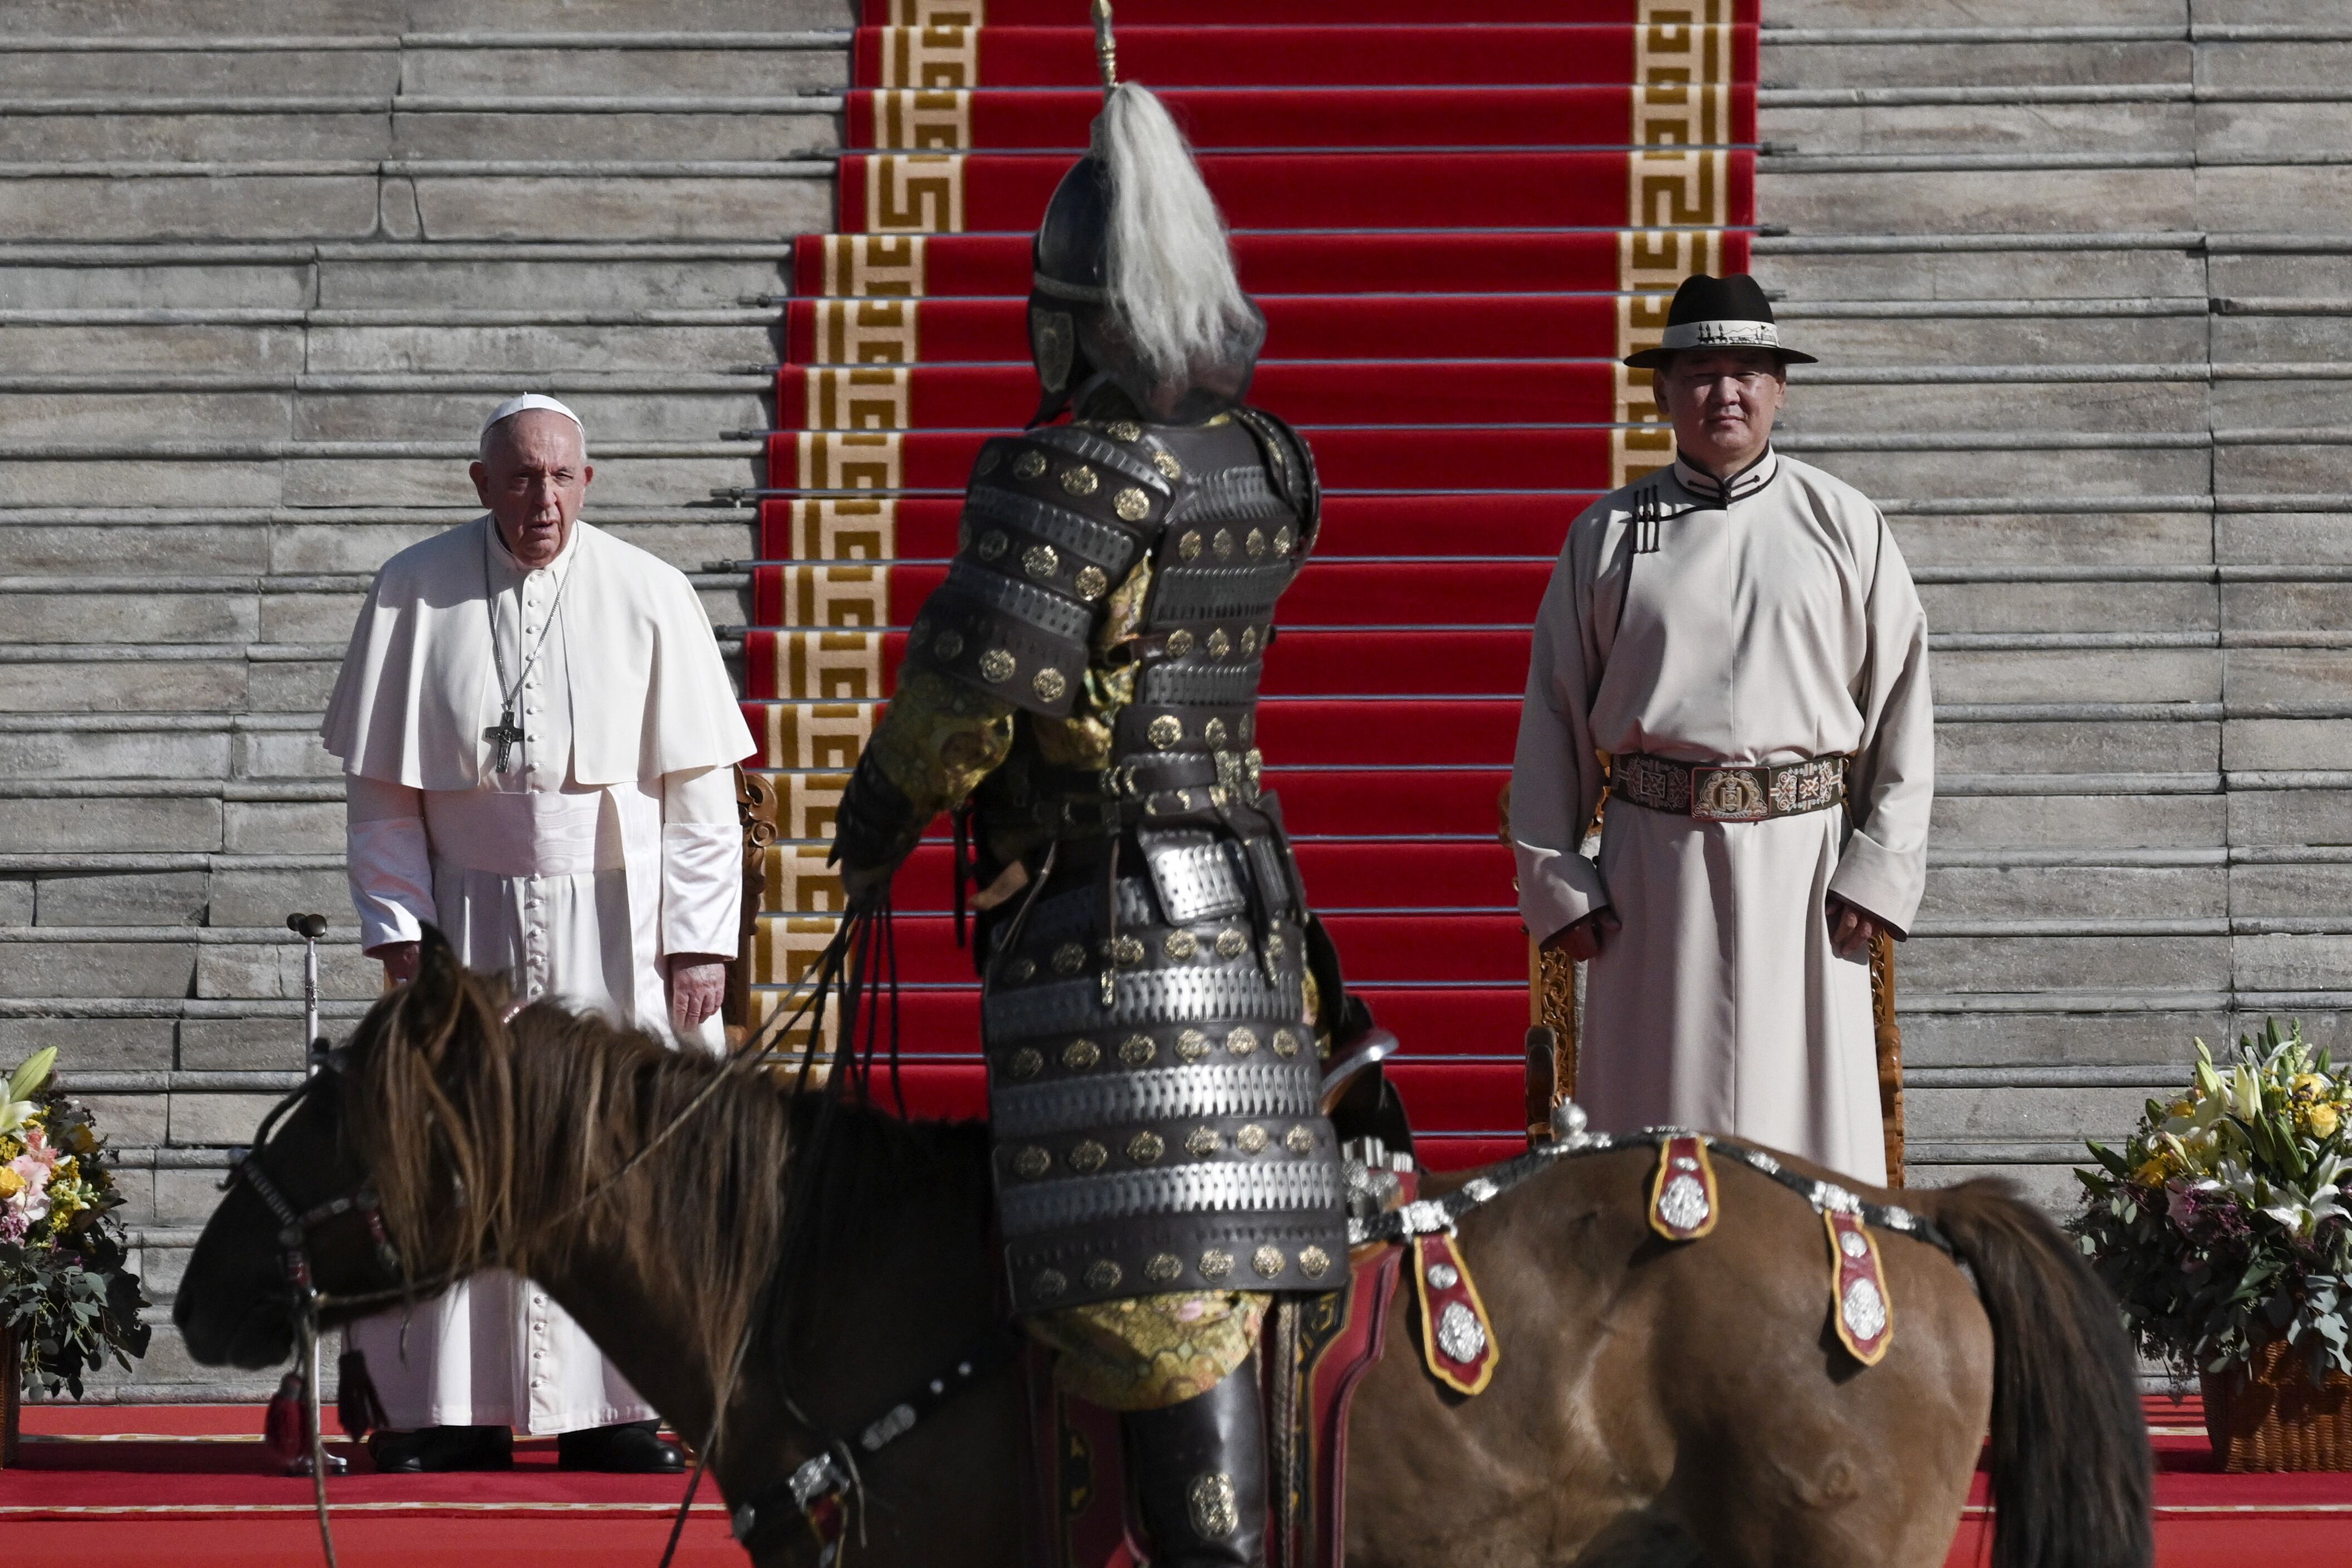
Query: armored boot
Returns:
{"type": "Point", "coordinates": [1198, 1470]}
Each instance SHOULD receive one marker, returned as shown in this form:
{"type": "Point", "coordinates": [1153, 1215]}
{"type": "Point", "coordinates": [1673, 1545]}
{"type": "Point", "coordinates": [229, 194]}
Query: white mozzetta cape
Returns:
{"type": "Point", "coordinates": [649, 695]}
{"type": "Point", "coordinates": [1768, 621]}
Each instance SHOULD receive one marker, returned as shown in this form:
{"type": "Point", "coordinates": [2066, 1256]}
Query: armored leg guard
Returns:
{"type": "Point", "coordinates": [1199, 1473]}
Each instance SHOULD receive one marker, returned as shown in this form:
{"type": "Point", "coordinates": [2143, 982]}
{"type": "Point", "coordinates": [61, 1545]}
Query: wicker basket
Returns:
{"type": "Point", "coordinates": [2270, 1416]}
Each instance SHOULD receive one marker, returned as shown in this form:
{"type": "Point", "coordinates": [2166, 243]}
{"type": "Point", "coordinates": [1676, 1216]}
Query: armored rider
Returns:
{"type": "Point", "coordinates": [1084, 686]}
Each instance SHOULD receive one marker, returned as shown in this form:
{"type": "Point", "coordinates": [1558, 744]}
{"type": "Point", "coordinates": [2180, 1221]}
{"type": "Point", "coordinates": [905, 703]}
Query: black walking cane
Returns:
{"type": "Point", "coordinates": [302, 1384]}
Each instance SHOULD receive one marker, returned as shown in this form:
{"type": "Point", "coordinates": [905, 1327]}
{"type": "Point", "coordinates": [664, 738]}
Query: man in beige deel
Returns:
{"type": "Point", "coordinates": [1730, 650]}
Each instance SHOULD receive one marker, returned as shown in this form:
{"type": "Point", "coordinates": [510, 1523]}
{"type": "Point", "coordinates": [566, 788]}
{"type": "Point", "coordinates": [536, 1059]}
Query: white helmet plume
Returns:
{"type": "Point", "coordinates": [1171, 271]}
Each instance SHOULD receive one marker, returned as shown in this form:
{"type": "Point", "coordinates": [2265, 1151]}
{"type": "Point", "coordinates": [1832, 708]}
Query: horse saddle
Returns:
{"type": "Point", "coordinates": [1316, 1351]}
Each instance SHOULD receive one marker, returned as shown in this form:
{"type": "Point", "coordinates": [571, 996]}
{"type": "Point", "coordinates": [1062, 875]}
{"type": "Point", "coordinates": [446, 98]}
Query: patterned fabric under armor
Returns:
{"type": "Point", "coordinates": [1088, 671]}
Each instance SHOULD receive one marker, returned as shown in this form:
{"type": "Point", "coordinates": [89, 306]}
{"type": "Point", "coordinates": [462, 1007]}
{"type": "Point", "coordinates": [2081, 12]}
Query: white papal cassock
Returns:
{"type": "Point", "coordinates": [611, 843]}
{"type": "Point", "coordinates": [1769, 621]}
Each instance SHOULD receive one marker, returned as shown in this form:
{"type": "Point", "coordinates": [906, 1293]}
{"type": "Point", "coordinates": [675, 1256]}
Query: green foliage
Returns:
{"type": "Point", "coordinates": [67, 1291]}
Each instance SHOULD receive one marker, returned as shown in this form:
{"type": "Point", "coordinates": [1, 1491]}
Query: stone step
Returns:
{"type": "Point", "coordinates": [102, 128]}
{"type": "Point", "coordinates": [2079, 264]}
{"type": "Point", "coordinates": [294, 275]}
{"type": "Point", "coordinates": [133, 407]}
{"type": "Point", "coordinates": [326, 473]}
{"type": "Point", "coordinates": [480, 199]}
{"type": "Point", "coordinates": [420, 338]}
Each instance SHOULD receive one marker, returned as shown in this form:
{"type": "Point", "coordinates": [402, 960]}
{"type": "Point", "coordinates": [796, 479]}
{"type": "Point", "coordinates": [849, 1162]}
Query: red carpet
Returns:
{"type": "Point", "coordinates": [131, 1487]}
{"type": "Point", "coordinates": [1457, 218]}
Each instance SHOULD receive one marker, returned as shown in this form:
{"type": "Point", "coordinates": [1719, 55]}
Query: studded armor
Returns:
{"type": "Point", "coordinates": [1094, 656]}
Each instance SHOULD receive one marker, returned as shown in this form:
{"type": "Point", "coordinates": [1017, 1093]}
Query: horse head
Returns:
{"type": "Point", "coordinates": [339, 1199]}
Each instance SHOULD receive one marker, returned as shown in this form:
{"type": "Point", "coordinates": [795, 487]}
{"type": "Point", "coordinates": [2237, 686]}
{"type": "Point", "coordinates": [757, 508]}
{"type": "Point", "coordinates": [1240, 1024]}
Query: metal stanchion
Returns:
{"type": "Point", "coordinates": [310, 928]}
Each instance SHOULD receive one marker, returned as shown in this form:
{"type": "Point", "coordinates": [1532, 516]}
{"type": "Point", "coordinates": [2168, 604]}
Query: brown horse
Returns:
{"type": "Point", "coordinates": [1654, 1403]}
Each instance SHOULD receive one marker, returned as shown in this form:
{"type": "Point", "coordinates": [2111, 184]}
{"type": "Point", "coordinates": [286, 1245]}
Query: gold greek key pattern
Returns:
{"type": "Point", "coordinates": [808, 804]}
{"type": "Point", "coordinates": [866, 331]}
{"type": "Point", "coordinates": [944, 13]}
{"type": "Point", "coordinates": [799, 883]}
{"type": "Point", "coordinates": [830, 666]}
{"type": "Point", "coordinates": [857, 397]}
{"type": "Point", "coordinates": [847, 460]}
{"type": "Point", "coordinates": [1677, 200]}
{"type": "Point", "coordinates": [941, 54]}
{"type": "Point", "coordinates": [864, 266]}
{"type": "Point", "coordinates": [907, 120]}
{"type": "Point", "coordinates": [845, 528]}
{"type": "Point", "coordinates": [914, 193]}
{"type": "Point", "coordinates": [826, 736]}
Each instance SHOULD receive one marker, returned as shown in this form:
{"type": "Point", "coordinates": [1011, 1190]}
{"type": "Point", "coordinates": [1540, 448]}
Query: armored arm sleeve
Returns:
{"type": "Point", "coordinates": [1053, 520]}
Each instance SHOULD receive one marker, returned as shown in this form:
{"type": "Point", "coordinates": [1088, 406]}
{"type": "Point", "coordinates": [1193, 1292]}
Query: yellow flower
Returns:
{"type": "Point", "coordinates": [2150, 1174]}
{"type": "Point", "coordinates": [2323, 1120]}
{"type": "Point", "coordinates": [2182, 1108]}
{"type": "Point", "coordinates": [2310, 1086]}
{"type": "Point", "coordinates": [11, 1183]}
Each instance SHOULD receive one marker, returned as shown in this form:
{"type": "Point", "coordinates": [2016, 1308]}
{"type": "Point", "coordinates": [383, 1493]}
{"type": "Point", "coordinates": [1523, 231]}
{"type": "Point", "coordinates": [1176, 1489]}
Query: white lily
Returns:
{"type": "Point", "coordinates": [17, 1103]}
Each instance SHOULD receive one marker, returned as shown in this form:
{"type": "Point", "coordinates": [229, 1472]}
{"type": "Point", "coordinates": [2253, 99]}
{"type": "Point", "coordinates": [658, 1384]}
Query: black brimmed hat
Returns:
{"type": "Point", "coordinates": [1717, 313]}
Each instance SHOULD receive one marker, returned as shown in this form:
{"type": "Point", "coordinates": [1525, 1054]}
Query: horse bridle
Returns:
{"type": "Point", "coordinates": [296, 1227]}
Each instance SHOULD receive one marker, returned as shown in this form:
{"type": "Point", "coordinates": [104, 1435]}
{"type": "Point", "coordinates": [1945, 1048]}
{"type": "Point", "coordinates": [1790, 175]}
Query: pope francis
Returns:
{"type": "Point", "coordinates": [539, 737]}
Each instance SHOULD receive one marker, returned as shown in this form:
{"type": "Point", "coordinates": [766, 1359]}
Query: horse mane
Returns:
{"type": "Point", "coordinates": [481, 1135]}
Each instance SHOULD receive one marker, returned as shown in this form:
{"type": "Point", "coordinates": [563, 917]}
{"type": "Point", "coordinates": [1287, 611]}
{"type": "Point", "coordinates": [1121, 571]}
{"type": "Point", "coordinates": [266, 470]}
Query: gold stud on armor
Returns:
{"type": "Point", "coordinates": [1283, 540]}
{"type": "Point", "coordinates": [1251, 1140]}
{"type": "Point", "coordinates": [1164, 1267]}
{"type": "Point", "coordinates": [1137, 1049]}
{"type": "Point", "coordinates": [1132, 504]}
{"type": "Point", "coordinates": [1202, 1143]}
{"type": "Point", "coordinates": [1222, 546]}
{"type": "Point", "coordinates": [1216, 1263]}
{"type": "Point", "coordinates": [1021, 971]}
{"type": "Point", "coordinates": [1180, 945]}
{"type": "Point", "coordinates": [1214, 733]}
{"type": "Point", "coordinates": [1167, 464]}
{"type": "Point", "coordinates": [1088, 1157]}
{"type": "Point", "coordinates": [1102, 1274]}
{"type": "Point", "coordinates": [1069, 958]}
{"type": "Point", "coordinates": [1031, 1163]}
{"type": "Point", "coordinates": [1286, 1043]}
{"type": "Point", "coordinates": [1180, 643]}
{"type": "Point", "coordinates": [993, 544]}
{"type": "Point", "coordinates": [1080, 481]}
{"type": "Point", "coordinates": [1123, 430]}
{"type": "Point", "coordinates": [1041, 561]}
{"type": "Point", "coordinates": [1128, 950]}
{"type": "Point", "coordinates": [1049, 684]}
{"type": "Point", "coordinates": [1267, 1261]}
{"type": "Point", "coordinates": [1080, 1054]}
{"type": "Point", "coordinates": [1091, 583]}
{"type": "Point", "coordinates": [1231, 944]}
{"type": "Point", "coordinates": [996, 664]}
{"type": "Point", "coordinates": [1220, 644]}
{"type": "Point", "coordinates": [1146, 1147]}
{"type": "Point", "coordinates": [1028, 1062]}
{"type": "Point", "coordinates": [1029, 464]}
{"type": "Point", "coordinates": [1314, 1262]}
{"type": "Point", "coordinates": [948, 644]}
{"type": "Point", "coordinates": [1192, 1045]}
{"type": "Point", "coordinates": [1299, 1140]}
{"type": "Point", "coordinates": [1049, 1284]}
{"type": "Point", "coordinates": [1165, 730]}
{"type": "Point", "coordinates": [1256, 543]}
{"type": "Point", "coordinates": [1249, 639]}
{"type": "Point", "coordinates": [1213, 1505]}
{"type": "Point", "coordinates": [1241, 1042]}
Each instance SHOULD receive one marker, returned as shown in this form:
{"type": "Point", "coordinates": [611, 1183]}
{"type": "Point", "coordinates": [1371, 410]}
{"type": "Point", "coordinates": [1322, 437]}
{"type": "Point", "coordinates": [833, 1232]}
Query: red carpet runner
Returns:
{"type": "Point", "coordinates": [188, 1487]}
{"type": "Point", "coordinates": [1457, 217]}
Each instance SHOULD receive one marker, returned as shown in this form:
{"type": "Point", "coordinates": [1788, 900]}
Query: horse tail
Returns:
{"type": "Point", "coordinates": [2071, 1481]}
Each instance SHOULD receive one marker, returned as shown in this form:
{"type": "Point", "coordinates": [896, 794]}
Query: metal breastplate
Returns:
{"type": "Point", "coordinates": [1152, 1072]}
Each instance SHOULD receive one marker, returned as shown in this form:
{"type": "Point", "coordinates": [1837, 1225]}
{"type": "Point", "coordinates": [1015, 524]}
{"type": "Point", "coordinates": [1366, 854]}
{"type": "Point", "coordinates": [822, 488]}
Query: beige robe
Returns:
{"type": "Point", "coordinates": [610, 842]}
{"type": "Point", "coordinates": [1779, 627]}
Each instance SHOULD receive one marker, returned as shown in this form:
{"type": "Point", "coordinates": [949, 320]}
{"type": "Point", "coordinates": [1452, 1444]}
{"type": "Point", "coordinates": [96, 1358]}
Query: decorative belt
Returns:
{"type": "Point", "coordinates": [1712, 792]}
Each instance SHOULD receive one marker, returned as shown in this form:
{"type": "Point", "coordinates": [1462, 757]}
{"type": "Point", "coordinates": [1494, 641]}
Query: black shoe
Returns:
{"type": "Point", "coordinates": [633, 1449]}
{"type": "Point", "coordinates": [1198, 1470]}
{"type": "Point", "coordinates": [436, 1448]}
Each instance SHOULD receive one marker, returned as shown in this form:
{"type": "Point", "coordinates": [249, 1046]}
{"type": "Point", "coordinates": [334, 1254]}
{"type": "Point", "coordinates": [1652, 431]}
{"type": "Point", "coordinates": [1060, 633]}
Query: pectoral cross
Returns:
{"type": "Point", "coordinates": [503, 734]}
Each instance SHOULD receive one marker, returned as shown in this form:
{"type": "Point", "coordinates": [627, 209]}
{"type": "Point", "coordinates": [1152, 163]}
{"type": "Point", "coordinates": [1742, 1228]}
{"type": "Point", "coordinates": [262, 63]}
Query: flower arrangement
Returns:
{"type": "Point", "coordinates": [67, 1292]}
{"type": "Point", "coordinates": [2222, 1224]}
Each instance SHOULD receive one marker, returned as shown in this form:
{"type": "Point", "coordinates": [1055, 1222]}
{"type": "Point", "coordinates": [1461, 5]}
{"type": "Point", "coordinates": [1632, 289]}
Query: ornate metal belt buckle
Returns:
{"type": "Point", "coordinates": [1729, 794]}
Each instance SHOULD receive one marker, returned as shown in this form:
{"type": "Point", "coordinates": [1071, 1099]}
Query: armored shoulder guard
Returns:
{"type": "Point", "coordinates": [1054, 519]}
